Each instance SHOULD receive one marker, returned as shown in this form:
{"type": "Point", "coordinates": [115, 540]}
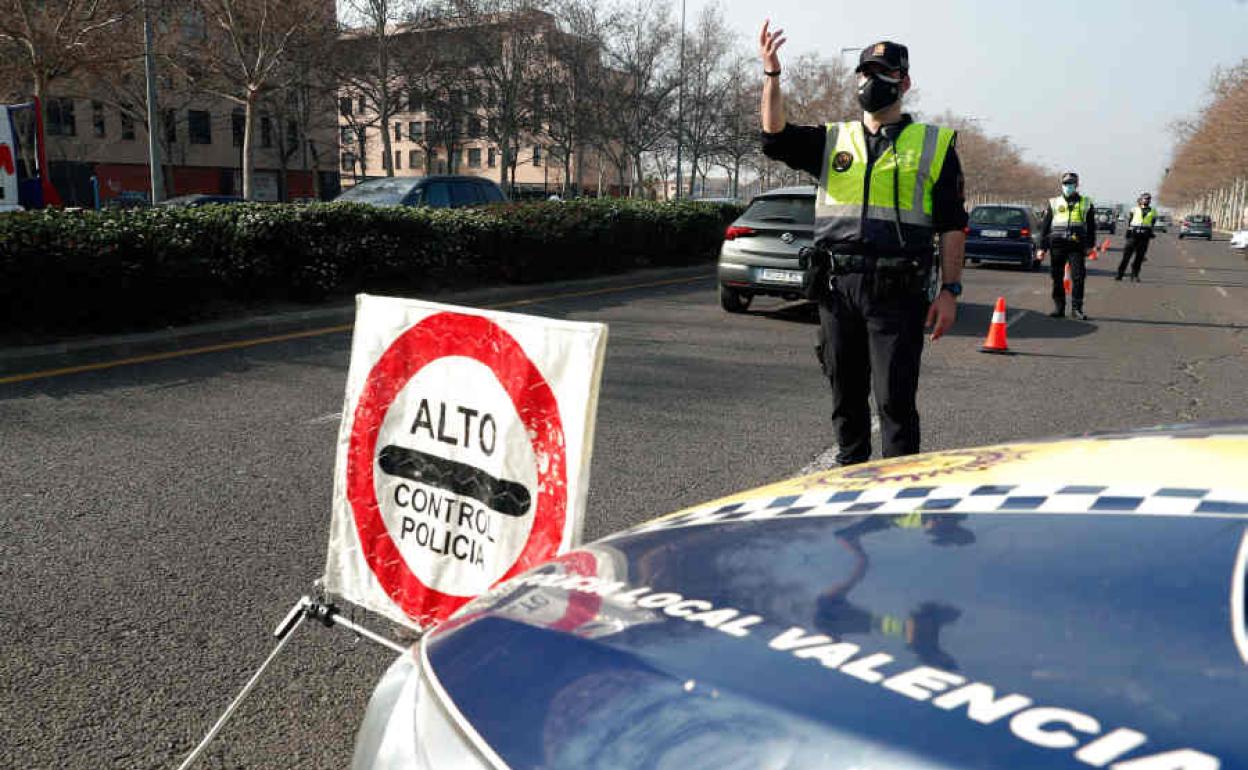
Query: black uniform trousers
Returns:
{"type": "Point", "coordinates": [1062, 252]}
{"type": "Point", "coordinates": [1137, 245]}
{"type": "Point", "coordinates": [872, 339]}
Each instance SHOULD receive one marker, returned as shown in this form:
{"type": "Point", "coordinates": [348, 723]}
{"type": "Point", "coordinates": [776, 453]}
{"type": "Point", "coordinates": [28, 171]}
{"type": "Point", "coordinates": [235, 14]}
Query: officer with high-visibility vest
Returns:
{"type": "Point", "coordinates": [888, 187]}
{"type": "Point", "coordinates": [1139, 233]}
{"type": "Point", "coordinates": [1067, 232]}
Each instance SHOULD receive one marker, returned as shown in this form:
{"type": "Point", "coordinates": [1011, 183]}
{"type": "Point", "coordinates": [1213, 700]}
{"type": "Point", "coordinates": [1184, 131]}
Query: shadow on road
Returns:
{"type": "Point", "coordinates": [1176, 324]}
{"type": "Point", "coordinates": [974, 319]}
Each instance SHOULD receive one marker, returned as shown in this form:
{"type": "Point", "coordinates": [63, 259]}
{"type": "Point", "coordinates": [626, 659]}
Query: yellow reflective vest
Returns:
{"type": "Point", "coordinates": [883, 207]}
{"type": "Point", "coordinates": [1142, 218]}
{"type": "Point", "coordinates": [1070, 220]}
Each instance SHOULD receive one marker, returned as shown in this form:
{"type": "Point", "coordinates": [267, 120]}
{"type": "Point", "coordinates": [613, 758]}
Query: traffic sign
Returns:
{"type": "Point", "coordinates": [463, 453]}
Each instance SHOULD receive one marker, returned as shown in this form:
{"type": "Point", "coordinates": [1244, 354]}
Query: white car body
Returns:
{"type": "Point", "coordinates": [1239, 240]}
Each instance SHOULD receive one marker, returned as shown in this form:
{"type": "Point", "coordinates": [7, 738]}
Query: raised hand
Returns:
{"type": "Point", "coordinates": [769, 45]}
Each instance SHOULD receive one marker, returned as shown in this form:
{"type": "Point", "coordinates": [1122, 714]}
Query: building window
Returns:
{"type": "Point", "coordinates": [413, 159]}
{"type": "Point", "coordinates": [348, 136]}
{"type": "Point", "coordinates": [491, 158]}
{"type": "Point", "coordinates": [266, 132]}
{"type": "Point", "coordinates": [537, 155]}
{"type": "Point", "coordinates": [398, 131]}
{"type": "Point", "coordinates": [348, 161]}
{"type": "Point", "coordinates": [474, 126]}
{"type": "Point", "coordinates": [60, 114]}
{"type": "Point", "coordinates": [398, 160]}
{"type": "Point", "coordinates": [127, 123]}
{"type": "Point", "coordinates": [413, 101]}
{"type": "Point", "coordinates": [344, 105]}
{"type": "Point", "coordinates": [474, 157]}
{"type": "Point", "coordinates": [97, 119]}
{"type": "Point", "coordinates": [199, 126]}
{"type": "Point", "coordinates": [414, 130]}
{"type": "Point", "coordinates": [363, 105]}
{"type": "Point", "coordinates": [431, 133]}
{"type": "Point", "coordinates": [292, 134]}
{"type": "Point", "coordinates": [171, 126]}
{"type": "Point", "coordinates": [238, 126]}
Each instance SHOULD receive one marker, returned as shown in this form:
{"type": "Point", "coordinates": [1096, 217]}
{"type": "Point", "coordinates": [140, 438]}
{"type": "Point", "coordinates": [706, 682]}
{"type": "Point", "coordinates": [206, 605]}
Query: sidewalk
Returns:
{"type": "Point", "coordinates": [84, 351]}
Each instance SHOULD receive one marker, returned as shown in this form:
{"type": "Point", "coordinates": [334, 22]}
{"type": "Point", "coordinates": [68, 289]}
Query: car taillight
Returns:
{"type": "Point", "coordinates": [1025, 233]}
{"type": "Point", "coordinates": [736, 231]}
{"type": "Point", "coordinates": [966, 230]}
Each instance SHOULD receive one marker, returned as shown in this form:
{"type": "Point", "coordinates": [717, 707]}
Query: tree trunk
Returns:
{"type": "Point", "coordinates": [249, 147]}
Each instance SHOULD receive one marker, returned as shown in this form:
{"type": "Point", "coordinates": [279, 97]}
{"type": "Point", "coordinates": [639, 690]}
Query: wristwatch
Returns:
{"type": "Point", "coordinates": [954, 288]}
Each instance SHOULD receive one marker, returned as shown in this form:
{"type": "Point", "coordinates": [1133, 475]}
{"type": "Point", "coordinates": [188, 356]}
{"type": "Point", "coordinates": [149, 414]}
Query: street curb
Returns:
{"type": "Point", "coordinates": [95, 350]}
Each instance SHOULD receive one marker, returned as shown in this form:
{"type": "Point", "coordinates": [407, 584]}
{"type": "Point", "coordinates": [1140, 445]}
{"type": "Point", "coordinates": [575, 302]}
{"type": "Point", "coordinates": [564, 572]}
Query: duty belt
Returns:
{"type": "Point", "coordinates": [845, 264]}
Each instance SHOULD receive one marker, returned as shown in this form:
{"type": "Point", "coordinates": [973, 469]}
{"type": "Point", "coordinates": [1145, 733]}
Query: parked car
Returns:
{"type": "Point", "coordinates": [1162, 223]}
{"type": "Point", "coordinates": [200, 199]}
{"type": "Point", "coordinates": [438, 191]}
{"type": "Point", "coordinates": [1046, 605]}
{"type": "Point", "coordinates": [1001, 233]}
{"type": "Point", "coordinates": [760, 251]}
{"type": "Point", "coordinates": [1106, 220]}
{"type": "Point", "coordinates": [1239, 240]}
{"type": "Point", "coordinates": [1196, 226]}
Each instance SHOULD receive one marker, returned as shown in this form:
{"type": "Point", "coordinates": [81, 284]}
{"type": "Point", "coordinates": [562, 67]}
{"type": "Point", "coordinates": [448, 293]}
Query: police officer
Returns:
{"type": "Point", "coordinates": [1139, 233]}
{"type": "Point", "coordinates": [888, 186]}
{"type": "Point", "coordinates": [1067, 231]}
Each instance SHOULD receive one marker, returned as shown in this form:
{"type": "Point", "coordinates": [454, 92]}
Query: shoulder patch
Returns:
{"type": "Point", "coordinates": [842, 161]}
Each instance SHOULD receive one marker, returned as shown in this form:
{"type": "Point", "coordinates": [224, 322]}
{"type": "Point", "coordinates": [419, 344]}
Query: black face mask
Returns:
{"type": "Point", "coordinates": [875, 93]}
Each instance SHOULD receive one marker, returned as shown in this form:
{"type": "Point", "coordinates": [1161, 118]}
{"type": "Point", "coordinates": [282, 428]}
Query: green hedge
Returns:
{"type": "Point", "coordinates": [106, 271]}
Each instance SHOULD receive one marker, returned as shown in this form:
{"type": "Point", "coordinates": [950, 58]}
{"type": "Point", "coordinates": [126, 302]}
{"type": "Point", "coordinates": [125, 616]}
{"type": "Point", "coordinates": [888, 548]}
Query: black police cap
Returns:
{"type": "Point", "coordinates": [893, 56]}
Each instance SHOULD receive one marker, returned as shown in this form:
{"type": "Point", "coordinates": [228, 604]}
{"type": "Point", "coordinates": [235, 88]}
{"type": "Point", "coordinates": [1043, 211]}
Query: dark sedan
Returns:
{"type": "Point", "coordinates": [1001, 233]}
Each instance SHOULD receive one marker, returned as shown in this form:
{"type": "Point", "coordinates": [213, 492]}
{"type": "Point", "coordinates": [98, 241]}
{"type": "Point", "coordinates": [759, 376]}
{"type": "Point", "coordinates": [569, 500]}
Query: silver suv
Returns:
{"type": "Point", "coordinates": [760, 251]}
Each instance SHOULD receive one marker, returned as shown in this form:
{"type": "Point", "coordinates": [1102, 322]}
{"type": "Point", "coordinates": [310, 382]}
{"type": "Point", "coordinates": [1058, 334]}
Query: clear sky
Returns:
{"type": "Point", "coordinates": [1089, 85]}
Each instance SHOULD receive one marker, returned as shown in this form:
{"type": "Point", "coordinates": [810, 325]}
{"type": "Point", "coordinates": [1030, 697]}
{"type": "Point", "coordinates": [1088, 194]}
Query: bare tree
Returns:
{"type": "Point", "coordinates": [737, 137]}
{"type": "Point", "coordinates": [366, 63]}
{"type": "Point", "coordinates": [706, 82]}
{"type": "Point", "coordinates": [505, 40]}
{"type": "Point", "coordinates": [639, 88]}
{"type": "Point", "coordinates": [244, 55]}
{"type": "Point", "coordinates": [45, 42]}
{"type": "Point", "coordinates": [574, 85]}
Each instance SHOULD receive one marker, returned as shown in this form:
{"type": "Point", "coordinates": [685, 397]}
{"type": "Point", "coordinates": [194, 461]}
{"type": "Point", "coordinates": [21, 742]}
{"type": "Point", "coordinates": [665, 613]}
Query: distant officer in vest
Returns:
{"type": "Point", "coordinates": [1067, 232]}
{"type": "Point", "coordinates": [1139, 233]}
{"type": "Point", "coordinates": [888, 187]}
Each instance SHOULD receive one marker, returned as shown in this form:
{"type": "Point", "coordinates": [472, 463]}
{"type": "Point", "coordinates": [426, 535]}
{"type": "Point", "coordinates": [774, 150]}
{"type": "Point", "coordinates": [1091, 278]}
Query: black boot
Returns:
{"type": "Point", "coordinates": [1059, 311]}
{"type": "Point", "coordinates": [1078, 314]}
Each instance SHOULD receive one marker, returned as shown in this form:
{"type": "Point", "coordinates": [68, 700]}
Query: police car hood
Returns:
{"type": "Point", "coordinates": [838, 622]}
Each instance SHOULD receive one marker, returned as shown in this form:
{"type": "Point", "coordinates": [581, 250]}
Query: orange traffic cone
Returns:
{"type": "Point", "coordinates": [1066, 279]}
{"type": "Point", "coordinates": [1092, 255]}
{"type": "Point", "coordinates": [995, 341]}
{"type": "Point", "coordinates": [1105, 246]}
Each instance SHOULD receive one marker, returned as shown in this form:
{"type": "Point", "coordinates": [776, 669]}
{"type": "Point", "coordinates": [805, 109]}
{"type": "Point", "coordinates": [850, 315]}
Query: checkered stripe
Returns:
{"type": "Point", "coordinates": [1015, 498]}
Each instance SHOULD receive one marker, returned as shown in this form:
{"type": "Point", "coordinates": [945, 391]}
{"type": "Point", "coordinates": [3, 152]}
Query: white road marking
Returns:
{"type": "Point", "coordinates": [1203, 271]}
{"type": "Point", "coordinates": [1192, 260]}
{"type": "Point", "coordinates": [1017, 318]}
{"type": "Point", "coordinates": [331, 417]}
{"type": "Point", "coordinates": [1221, 291]}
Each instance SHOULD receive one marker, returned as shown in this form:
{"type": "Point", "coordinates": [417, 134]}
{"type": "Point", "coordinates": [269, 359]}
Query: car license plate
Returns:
{"type": "Point", "coordinates": [780, 276]}
{"type": "Point", "coordinates": [993, 233]}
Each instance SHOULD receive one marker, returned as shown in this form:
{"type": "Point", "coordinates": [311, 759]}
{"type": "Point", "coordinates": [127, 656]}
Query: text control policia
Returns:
{"type": "Point", "coordinates": [888, 187]}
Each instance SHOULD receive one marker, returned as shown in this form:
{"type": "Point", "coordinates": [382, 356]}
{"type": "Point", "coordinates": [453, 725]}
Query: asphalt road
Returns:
{"type": "Point", "coordinates": [159, 518]}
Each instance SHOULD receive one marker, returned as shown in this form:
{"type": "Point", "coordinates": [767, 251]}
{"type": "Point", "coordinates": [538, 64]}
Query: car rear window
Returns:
{"type": "Point", "coordinates": [1198, 218]}
{"type": "Point", "coordinates": [999, 216]}
{"type": "Point", "coordinates": [795, 210]}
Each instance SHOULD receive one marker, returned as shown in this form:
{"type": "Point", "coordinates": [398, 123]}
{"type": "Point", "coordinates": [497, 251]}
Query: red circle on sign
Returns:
{"type": "Point", "coordinates": [439, 336]}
